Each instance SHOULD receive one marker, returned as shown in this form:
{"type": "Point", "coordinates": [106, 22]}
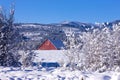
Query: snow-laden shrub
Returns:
{"type": "Point", "coordinates": [27, 58]}
{"type": "Point", "coordinates": [100, 50]}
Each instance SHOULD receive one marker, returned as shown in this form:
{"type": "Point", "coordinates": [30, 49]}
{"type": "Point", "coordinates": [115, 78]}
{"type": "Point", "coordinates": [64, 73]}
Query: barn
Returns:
{"type": "Point", "coordinates": [50, 44]}
{"type": "Point", "coordinates": [50, 58]}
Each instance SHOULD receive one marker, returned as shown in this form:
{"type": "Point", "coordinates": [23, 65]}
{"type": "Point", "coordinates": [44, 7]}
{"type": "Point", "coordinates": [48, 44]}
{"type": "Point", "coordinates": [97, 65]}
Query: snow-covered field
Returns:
{"type": "Point", "coordinates": [59, 73]}
{"type": "Point", "coordinates": [53, 74]}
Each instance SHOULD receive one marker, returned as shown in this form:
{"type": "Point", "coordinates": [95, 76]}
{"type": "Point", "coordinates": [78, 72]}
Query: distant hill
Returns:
{"type": "Point", "coordinates": [35, 33]}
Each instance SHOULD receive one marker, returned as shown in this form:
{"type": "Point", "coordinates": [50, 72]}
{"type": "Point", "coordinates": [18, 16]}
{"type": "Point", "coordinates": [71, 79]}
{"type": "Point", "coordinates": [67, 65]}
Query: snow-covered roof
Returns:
{"type": "Point", "coordinates": [57, 43]}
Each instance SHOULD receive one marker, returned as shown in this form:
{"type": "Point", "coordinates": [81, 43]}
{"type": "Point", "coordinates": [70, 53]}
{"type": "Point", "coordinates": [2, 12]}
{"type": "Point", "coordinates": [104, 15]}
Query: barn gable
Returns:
{"type": "Point", "coordinates": [50, 44]}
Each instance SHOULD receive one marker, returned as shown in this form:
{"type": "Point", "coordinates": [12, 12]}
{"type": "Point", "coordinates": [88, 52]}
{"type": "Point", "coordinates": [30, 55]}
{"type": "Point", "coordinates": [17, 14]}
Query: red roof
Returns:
{"type": "Point", "coordinates": [51, 45]}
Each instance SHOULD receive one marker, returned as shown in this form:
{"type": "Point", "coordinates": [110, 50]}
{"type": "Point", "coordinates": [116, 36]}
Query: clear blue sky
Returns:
{"type": "Point", "coordinates": [52, 11]}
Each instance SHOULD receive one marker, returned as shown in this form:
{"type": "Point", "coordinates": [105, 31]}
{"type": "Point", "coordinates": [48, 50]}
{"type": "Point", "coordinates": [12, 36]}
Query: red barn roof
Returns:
{"type": "Point", "coordinates": [51, 45]}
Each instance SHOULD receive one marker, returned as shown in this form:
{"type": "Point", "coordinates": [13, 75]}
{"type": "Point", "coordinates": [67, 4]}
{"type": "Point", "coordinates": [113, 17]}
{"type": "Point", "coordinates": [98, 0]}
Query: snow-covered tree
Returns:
{"type": "Point", "coordinates": [101, 50]}
{"type": "Point", "coordinates": [73, 46]}
{"type": "Point", "coordinates": [9, 39]}
{"type": "Point", "coordinates": [98, 50]}
{"type": "Point", "coordinates": [95, 49]}
{"type": "Point", "coordinates": [115, 56]}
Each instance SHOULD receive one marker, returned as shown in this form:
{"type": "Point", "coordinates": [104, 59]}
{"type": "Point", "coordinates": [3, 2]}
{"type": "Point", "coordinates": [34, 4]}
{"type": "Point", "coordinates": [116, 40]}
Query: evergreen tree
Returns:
{"type": "Point", "coordinates": [9, 39]}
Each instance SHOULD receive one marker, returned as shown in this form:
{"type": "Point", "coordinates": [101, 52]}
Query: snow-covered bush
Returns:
{"type": "Point", "coordinates": [99, 50]}
{"type": "Point", "coordinates": [95, 49]}
{"type": "Point", "coordinates": [27, 58]}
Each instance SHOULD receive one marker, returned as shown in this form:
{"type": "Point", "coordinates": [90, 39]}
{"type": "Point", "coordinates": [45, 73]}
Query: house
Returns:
{"type": "Point", "coordinates": [50, 44]}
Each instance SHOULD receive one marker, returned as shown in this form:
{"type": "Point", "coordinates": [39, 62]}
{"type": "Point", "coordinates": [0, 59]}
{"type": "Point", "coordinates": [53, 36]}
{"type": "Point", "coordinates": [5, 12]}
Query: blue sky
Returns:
{"type": "Point", "coordinates": [53, 11]}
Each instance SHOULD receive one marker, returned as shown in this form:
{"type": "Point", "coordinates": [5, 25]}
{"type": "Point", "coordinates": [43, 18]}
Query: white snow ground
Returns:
{"type": "Point", "coordinates": [60, 73]}
{"type": "Point", "coordinates": [53, 74]}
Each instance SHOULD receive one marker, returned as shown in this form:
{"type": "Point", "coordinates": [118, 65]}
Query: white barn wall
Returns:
{"type": "Point", "coordinates": [50, 56]}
